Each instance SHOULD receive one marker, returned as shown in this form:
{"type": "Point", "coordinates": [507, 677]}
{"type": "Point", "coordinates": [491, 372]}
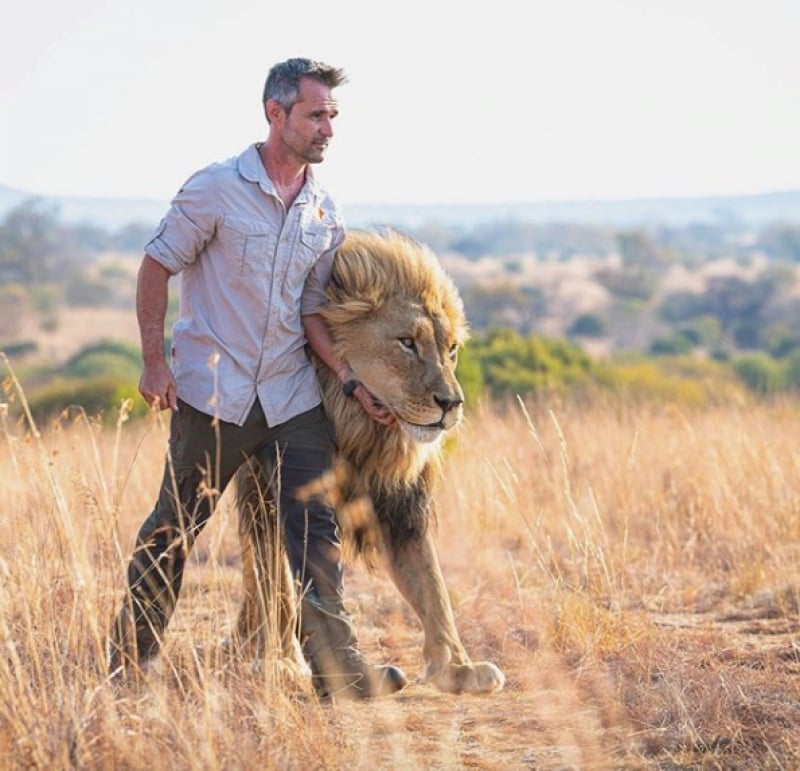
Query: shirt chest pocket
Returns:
{"type": "Point", "coordinates": [314, 240]}
{"type": "Point", "coordinates": [246, 244]}
{"type": "Point", "coordinates": [317, 238]}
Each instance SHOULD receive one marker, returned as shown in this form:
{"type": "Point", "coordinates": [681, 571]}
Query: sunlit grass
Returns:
{"type": "Point", "coordinates": [633, 569]}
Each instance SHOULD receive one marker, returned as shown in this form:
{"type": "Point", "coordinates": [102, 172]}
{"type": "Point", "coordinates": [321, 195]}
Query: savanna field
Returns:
{"type": "Point", "coordinates": [633, 569]}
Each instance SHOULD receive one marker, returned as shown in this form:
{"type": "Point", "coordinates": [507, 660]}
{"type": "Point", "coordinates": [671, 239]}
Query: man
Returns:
{"type": "Point", "coordinates": [253, 239]}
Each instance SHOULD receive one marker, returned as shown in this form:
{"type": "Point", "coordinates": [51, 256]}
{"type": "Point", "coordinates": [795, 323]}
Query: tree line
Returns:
{"type": "Point", "coordinates": [738, 335]}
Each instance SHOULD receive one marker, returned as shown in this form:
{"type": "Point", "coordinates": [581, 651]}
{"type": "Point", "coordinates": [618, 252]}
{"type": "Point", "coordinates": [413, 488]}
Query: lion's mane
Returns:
{"type": "Point", "coordinates": [383, 475]}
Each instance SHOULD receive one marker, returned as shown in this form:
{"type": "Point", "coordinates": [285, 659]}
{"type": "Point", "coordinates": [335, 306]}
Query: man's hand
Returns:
{"type": "Point", "coordinates": [377, 411]}
{"type": "Point", "coordinates": [157, 386]}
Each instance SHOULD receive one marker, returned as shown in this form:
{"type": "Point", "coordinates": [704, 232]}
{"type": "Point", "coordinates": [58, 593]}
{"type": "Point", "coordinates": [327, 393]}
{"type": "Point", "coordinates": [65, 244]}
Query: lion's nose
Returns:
{"type": "Point", "coordinates": [447, 404]}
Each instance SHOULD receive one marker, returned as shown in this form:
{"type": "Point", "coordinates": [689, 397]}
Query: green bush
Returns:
{"type": "Point", "coordinates": [791, 371]}
{"type": "Point", "coordinates": [108, 358]}
{"type": "Point", "coordinates": [703, 330]}
{"type": "Point", "coordinates": [20, 350]}
{"type": "Point", "coordinates": [469, 375]}
{"type": "Point", "coordinates": [760, 373]}
{"type": "Point", "coordinates": [96, 380]}
{"type": "Point", "coordinates": [645, 380]}
{"type": "Point", "coordinates": [686, 380]}
{"type": "Point", "coordinates": [98, 398]}
{"type": "Point", "coordinates": [780, 340]}
{"type": "Point", "coordinates": [669, 346]}
{"type": "Point", "coordinates": [514, 365]}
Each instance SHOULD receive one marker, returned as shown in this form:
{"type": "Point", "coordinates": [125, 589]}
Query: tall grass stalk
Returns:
{"type": "Point", "coordinates": [634, 569]}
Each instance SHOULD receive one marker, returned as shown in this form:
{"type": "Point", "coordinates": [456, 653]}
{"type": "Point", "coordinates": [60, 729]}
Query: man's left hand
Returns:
{"type": "Point", "coordinates": [377, 411]}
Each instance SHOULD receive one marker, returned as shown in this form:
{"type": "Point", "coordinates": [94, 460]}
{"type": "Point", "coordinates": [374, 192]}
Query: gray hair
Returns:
{"type": "Point", "coordinates": [283, 80]}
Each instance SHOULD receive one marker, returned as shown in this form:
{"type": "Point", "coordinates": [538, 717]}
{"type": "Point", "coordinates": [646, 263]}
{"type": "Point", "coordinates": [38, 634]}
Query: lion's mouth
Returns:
{"type": "Point", "coordinates": [422, 433]}
{"type": "Point", "coordinates": [438, 424]}
{"type": "Point", "coordinates": [419, 432]}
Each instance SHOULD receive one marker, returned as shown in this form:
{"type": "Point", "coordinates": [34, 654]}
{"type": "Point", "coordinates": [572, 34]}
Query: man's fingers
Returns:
{"type": "Point", "coordinates": [172, 397]}
{"type": "Point", "coordinates": [160, 397]}
{"type": "Point", "coordinates": [377, 411]}
{"type": "Point", "coordinates": [157, 402]}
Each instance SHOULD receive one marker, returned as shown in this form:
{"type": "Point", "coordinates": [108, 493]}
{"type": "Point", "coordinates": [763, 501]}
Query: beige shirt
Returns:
{"type": "Point", "coordinates": [248, 270]}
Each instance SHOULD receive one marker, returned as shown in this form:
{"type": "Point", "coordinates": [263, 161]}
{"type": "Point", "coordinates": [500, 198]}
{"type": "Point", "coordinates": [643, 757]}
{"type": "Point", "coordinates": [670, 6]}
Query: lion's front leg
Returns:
{"type": "Point", "coordinates": [415, 570]}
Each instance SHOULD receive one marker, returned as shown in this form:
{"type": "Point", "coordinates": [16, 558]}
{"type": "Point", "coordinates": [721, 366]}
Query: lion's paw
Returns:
{"type": "Point", "coordinates": [287, 673]}
{"type": "Point", "coordinates": [475, 677]}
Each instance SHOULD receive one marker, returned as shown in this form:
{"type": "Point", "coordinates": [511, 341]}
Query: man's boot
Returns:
{"type": "Point", "coordinates": [132, 643]}
{"type": "Point", "coordinates": [338, 667]}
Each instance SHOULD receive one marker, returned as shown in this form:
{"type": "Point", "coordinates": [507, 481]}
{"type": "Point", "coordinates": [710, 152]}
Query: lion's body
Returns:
{"type": "Point", "coordinates": [397, 319]}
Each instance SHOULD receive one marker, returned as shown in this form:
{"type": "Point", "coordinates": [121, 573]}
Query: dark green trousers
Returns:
{"type": "Point", "coordinates": [202, 459]}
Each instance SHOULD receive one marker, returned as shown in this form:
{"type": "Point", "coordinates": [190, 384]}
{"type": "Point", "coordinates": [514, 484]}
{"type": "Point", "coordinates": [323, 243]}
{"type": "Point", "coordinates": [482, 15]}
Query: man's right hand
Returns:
{"type": "Point", "coordinates": [157, 386]}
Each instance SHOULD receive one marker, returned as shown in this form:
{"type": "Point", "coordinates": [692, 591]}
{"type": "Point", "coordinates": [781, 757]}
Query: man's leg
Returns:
{"type": "Point", "coordinates": [305, 449]}
{"type": "Point", "coordinates": [202, 459]}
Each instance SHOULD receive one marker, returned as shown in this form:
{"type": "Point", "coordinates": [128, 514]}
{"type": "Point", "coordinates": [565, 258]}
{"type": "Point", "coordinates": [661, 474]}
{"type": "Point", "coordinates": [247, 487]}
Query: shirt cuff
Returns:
{"type": "Point", "coordinates": [158, 252]}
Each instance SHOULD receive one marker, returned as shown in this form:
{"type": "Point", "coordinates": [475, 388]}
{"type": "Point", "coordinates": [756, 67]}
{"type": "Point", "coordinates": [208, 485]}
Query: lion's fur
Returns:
{"type": "Point", "coordinates": [370, 267]}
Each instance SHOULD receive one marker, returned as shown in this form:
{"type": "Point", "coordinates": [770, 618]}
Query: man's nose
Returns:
{"type": "Point", "coordinates": [326, 128]}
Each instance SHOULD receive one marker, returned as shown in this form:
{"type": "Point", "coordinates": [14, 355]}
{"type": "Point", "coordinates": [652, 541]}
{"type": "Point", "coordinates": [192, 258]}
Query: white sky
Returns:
{"type": "Point", "coordinates": [483, 101]}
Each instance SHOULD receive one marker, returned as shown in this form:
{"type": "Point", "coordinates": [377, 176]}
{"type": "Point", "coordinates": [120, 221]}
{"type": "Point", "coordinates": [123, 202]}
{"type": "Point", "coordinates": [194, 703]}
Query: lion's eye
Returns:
{"type": "Point", "coordinates": [408, 343]}
{"type": "Point", "coordinates": [453, 352]}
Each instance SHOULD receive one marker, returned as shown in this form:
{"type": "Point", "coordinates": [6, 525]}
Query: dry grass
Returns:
{"type": "Point", "coordinates": [633, 570]}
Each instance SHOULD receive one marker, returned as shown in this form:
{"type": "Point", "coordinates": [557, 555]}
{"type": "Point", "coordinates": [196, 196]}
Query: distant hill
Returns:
{"type": "Point", "coordinates": [108, 213]}
{"type": "Point", "coordinates": [746, 210]}
{"type": "Point", "coordinates": [750, 211]}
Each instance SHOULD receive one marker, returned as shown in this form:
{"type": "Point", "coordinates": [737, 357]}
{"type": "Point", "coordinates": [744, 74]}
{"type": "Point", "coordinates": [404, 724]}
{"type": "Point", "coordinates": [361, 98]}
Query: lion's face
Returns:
{"type": "Point", "coordinates": [407, 357]}
{"type": "Point", "coordinates": [398, 321]}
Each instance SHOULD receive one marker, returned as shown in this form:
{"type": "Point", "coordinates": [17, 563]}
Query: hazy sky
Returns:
{"type": "Point", "coordinates": [448, 100]}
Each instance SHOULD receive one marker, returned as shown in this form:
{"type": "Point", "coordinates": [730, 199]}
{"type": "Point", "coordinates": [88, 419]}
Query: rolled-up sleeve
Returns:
{"type": "Point", "coordinates": [189, 224]}
{"type": "Point", "coordinates": [314, 297]}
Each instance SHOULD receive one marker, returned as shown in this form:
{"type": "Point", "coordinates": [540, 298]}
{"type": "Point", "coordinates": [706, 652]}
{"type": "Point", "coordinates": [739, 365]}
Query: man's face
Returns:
{"type": "Point", "coordinates": [308, 127]}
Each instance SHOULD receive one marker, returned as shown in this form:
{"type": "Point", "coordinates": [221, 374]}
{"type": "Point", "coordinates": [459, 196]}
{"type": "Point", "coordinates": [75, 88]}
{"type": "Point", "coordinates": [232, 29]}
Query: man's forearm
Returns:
{"type": "Point", "coordinates": [321, 342]}
{"type": "Point", "coordinates": [151, 309]}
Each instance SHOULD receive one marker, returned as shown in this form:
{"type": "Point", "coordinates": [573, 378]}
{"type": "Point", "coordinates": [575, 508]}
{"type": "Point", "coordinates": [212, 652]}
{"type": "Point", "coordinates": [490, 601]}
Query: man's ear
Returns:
{"type": "Point", "coordinates": [273, 110]}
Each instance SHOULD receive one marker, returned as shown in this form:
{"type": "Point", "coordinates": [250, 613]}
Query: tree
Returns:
{"type": "Point", "coordinates": [587, 325]}
{"type": "Point", "coordinates": [781, 240]}
{"type": "Point", "coordinates": [637, 250]}
{"type": "Point", "coordinates": [30, 243]}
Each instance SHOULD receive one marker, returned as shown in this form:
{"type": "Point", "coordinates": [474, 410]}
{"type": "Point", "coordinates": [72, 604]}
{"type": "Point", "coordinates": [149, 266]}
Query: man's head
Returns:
{"type": "Point", "coordinates": [283, 80]}
{"type": "Point", "coordinates": [300, 108]}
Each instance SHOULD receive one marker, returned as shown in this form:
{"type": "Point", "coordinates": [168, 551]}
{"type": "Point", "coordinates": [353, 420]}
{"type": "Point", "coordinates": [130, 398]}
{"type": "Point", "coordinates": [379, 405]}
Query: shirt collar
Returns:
{"type": "Point", "coordinates": [252, 169]}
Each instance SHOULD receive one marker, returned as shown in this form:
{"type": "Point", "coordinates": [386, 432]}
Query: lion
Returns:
{"type": "Point", "coordinates": [397, 318]}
